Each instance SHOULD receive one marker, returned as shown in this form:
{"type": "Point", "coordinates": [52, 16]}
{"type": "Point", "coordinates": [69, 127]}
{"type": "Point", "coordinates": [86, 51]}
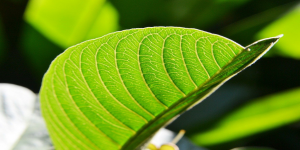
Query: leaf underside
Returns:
{"type": "Point", "coordinates": [116, 91]}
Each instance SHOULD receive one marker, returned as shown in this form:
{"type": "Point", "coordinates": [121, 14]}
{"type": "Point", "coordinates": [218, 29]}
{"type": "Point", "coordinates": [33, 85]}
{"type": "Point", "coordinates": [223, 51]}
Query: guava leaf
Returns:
{"type": "Point", "coordinates": [116, 91]}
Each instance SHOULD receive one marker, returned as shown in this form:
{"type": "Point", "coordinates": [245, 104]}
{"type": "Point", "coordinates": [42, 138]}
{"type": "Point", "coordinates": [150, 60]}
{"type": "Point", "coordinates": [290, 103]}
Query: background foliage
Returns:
{"type": "Point", "coordinates": [27, 46]}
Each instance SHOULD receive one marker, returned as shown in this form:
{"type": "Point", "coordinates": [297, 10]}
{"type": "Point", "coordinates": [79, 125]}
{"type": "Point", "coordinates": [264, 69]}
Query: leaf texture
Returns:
{"type": "Point", "coordinates": [116, 91]}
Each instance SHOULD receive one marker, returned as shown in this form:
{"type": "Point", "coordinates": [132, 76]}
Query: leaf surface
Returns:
{"type": "Point", "coordinates": [116, 91]}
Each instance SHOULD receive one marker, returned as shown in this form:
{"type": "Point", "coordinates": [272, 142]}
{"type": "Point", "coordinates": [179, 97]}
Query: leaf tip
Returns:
{"type": "Point", "coordinates": [279, 36]}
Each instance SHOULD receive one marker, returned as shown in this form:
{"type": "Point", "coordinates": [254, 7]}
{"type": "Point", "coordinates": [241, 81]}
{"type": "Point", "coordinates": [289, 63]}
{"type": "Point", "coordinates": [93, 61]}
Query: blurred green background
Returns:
{"type": "Point", "coordinates": [258, 107]}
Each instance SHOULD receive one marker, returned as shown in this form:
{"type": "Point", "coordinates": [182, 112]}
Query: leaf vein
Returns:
{"type": "Point", "coordinates": [121, 79]}
{"type": "Point", "coordinates": [184, 63]}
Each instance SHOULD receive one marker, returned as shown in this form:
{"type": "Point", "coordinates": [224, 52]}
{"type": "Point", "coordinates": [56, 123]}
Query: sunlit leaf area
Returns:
{"type": "Point", "coordinates": [120, 41]}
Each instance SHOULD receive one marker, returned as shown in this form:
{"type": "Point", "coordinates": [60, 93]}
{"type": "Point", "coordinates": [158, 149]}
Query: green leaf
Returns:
{"type": "Point", "coordinates": [72, 21]}
{"type": "Point", "coordinates": [261, 115]}
{"type": "Point", "coordinates": [289, 25]}
{"type": "Point", "coordinates": [116, 91]}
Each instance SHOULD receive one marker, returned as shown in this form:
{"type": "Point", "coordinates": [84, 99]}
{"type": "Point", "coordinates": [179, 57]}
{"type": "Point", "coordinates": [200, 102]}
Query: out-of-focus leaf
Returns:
{"type": "Point", "coordinates": [72, 21]}
{"type": "Point", "coordinates": [38, 50]}
{"type": "Point", "coordinates": [288, 25]}
{"type": "Point", "coordinates": [252, 148]}
{"type": "Point", "coordinates": [187, 13]}
{"type": "Point", "coordinates": [211, 11]}
{"type": "Point", "coordinates": [261, 115]}
{"type": "Point", "coordinates": [253, 24]}
{"type": "Point", "coordinates": [21, 125]}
